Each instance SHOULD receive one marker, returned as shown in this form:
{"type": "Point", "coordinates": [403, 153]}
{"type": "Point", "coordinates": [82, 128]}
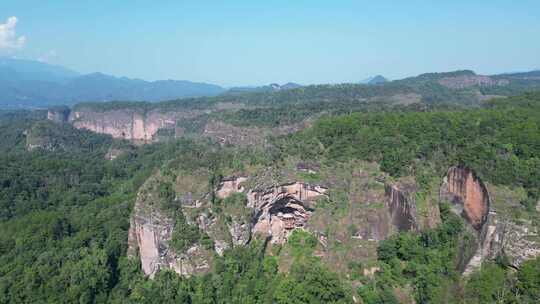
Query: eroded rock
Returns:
{"type": "Point", "coordinates": [281, 209]}
{"type": "Point", "coordinates": [467, 194]}
{"type": "Point", "coordinates": [402, 209]}
{"type": "Point", "coordinates": [229, 186]}
{"type": "Point", "coordinates": [495, 234]}
{"type": "Point", "coordinates": [58, 114]}
{"type": "Point", "coordinates": [150, 234]}
{"type": "Point", "coordinates": [133, 124]}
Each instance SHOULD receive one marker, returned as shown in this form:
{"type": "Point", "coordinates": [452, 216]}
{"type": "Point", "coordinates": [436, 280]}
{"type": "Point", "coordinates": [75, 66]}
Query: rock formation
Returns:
{"type": "Point", "coordinates": [469, 198]}
{"type": "Point", "coordinates": [468, 195]}
{"type": "Point", "coordinates": [58, 114]}
{"type": "Point", "coordinates": [277, 210]}
{"type": "Point", "coordinates": [134, 124]}
{"type": "Point", "coordinates": [402, 209]}
{"type": "Point", "coordinates": [495, 234]}
{"type": "Point", "coordinates": [281, 209]}
{"type": "Point", "coordinates": [229, 186]}
{"type": "Point", "coordinates": [149, 236]}
{"type": "Point", "coordinates": [466, 81]}
{"type": "Point", "coordinates": [242, 208]}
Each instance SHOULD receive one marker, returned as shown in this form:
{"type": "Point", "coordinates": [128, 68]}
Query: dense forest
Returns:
{"type": "Point", "coordinates": [64, 210]}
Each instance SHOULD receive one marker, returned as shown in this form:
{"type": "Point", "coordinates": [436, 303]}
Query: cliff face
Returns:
{"type": "Point", "coordinates": [401, 208]}
{"type": "Point", "coordinates": [466, 81]}
{"type": "Point", "coordinates": [468, 195]}
{"type": "Point", "coordinates": [58, 114]}
{"type": "Point", "coordinates": [131, 124]}
{"type": "Point", "coordinates": [150, 236]}
{"type": "Point", "coordinates": [283, 208]}
{"type": "Point", "coordinates": [495, 233]}
{"type": "Point", "coordinates": [348, 214]}
{"type": "Point", "coordinates": [274, 213]}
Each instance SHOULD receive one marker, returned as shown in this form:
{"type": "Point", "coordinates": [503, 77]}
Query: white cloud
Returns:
{"type": "Point", "coordinates": [8, 36]}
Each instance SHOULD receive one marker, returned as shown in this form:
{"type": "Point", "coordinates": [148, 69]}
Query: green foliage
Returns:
{"type": "Point", "coordinates": [489, 285]}
{"type": "Point", "coordinates": [302, 243]}
{"type": "Point", "coordinates": [500, 143]}
{"type": "Point", "coordinates": [185, 235]}
{"type": "Point", "coordinates": [425, 261]}
{"type": "Point", "coordinates": [309, 282]}
{"type": "Point", "coordinates": [528, 281]}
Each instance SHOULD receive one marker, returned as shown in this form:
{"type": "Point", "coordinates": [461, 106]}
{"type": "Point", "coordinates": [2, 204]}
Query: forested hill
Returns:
{"type": "Point", "coordinates": [291, 109]}
{"type": "Point", "coordinates": [460, 87]}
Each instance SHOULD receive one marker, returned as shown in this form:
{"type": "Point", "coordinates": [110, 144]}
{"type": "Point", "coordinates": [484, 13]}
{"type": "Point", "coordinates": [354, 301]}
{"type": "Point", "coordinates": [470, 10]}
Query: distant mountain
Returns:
{"type": "Point", "coordinates": [101, 87]}
{"type": "Point", "coordinates": [273, 87]}
{"type": "Point", "coordinates": [375, 80]}
{"type": "Point", "coordinates": [31, 84]}
{"type": "Point", "coordinates": [531, 74]}
{"type": "Point", "coordinates": [35, 70]}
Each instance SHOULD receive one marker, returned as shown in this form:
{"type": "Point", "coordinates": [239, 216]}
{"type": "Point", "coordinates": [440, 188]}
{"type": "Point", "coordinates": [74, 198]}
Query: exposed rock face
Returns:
{"type": "Point", "coordinates": [495, 234]}
{"type": "Point", "coordinates": [468, 195]}
{"type": "Point", "coordinates": [469, 198]}
{"type": "Point", "coordinates": [229, 186]}
{"type": "Point", "coordinates": [283, 208]}
{"type": "Point", "coordinates": [149, 235]}
{"type": "Point", "coordinates": [465, 81]}
{"type": "Point", "coordinates": [58, 114]}
{"type": "Point", "coordinates": [226, 133]}
{"type": "Point", "coordinates": [130, 124]}
{"type": "Point", "coordinates": [402, 208]}
{"type": "Point", "coordinates": [276, 212]}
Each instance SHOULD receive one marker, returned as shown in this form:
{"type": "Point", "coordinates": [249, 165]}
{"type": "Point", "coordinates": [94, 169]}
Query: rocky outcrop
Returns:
{"type": "Point", "coordinates": [469, 198]}
{"type": "Point", "coordinates": [58, 114]}
{"type": "Point", "coordinates": [225, 133]}
{"type": "Point", "coordinates": [495, 234]}
{"type": "Point", "coordinates": [276, 211]}
{"type": "Point", "coordinates": [467, 195]}
{"type": "Point", "coordinates": [229, 186]}
{"type": "Point", "coordinates": [149, 239]}
{"type": "Point", "coordinates": [466, 81]}
{"type": "Point", "coordinates": [133, 124]}
{"type": "Point", "coordinates": [279, 209]}
{"type": "Point", "coordinates": [401, 207]}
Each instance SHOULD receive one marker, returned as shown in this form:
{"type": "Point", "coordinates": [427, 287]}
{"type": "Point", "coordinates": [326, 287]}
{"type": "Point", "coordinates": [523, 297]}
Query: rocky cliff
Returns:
{"type": "Point", "coordinates": [496, 234]}
{"type": "Point", "coordinates": [468, 195]}
{"type": "Point", "coordinates": [134, 124]}
{"type": "Point", "coordinates": [401, 207]}
{"type": "Point", "coordinates": [58, 114]}
{"type": "Point", "coordinates": [273, 213]}
{"type": "Point", "coordinates": [150, 236]}
{"type": "Point", "coordinates": [466, 81]}
{"type": "Point", "coordinates": [260, 205]}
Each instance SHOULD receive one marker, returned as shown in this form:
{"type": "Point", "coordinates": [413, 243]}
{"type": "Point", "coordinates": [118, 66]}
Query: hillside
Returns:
{"type": "Point", "coordinates": [288, 110]}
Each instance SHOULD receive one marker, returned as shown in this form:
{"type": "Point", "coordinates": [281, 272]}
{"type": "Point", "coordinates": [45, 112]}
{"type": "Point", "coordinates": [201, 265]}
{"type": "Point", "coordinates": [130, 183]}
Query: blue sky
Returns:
{"type": "Point", "coordinates": [259, 42]}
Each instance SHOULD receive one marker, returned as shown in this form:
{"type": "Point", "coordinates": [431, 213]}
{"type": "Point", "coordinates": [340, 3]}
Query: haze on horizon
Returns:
{"type": "Point", "coordinates": [247, 43]}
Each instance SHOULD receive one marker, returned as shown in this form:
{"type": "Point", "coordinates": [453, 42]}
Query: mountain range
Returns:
{"type": "Point", "coordinates": [32, 84]}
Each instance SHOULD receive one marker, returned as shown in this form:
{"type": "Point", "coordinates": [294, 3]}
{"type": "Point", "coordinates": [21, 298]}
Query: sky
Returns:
{"type": "Point", "coordinates": [247, 42]}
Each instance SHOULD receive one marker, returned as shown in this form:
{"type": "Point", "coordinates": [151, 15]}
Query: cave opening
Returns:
{"type": "Point", "coordinates": [290, 211]}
